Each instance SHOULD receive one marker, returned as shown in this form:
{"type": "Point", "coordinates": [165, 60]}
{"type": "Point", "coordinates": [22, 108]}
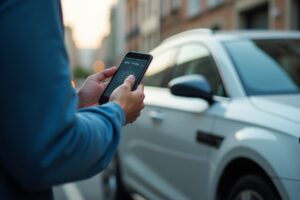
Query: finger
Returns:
{"type": "Point", "coordinates": [104, 84]}
{"type": "Point", "coordinates": [100, 76]}
{"type": "Point", "coordinates": [139, 91]}
{"type": "Point", "coordinates": [141, 107]}
{"type": "Point", "coordinates": [129, 81]}
{"type": "Point", "coordinates": [141, 88]}
{"type": "Point", "coordinates": [102, 87]}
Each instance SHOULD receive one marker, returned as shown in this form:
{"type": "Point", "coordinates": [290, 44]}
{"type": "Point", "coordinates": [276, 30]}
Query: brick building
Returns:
{"type": "Point", "coordinates": [132, 25]}
{"type": "Point", "coordinates": [181, 15]}
{"type": "Point", "coordinates": [228, 15]}
{"type": "Point", "coordinates": [143, 24]}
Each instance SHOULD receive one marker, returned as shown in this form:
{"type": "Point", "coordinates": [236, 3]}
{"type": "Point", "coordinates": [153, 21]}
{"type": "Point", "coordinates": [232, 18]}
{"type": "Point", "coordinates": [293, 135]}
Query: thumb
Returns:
{"type": "Point", "coordinates": [140, 88]}
{"type": "Point", "coordinates": [129, 81]}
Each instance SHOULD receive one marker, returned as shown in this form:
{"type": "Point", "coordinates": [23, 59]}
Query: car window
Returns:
{"type": "Point", "coordinates": [196, 59]}
{"type": "Point", "coordinates": [159, 69]}
{"type": "Point", "coordinates": [270, 66]}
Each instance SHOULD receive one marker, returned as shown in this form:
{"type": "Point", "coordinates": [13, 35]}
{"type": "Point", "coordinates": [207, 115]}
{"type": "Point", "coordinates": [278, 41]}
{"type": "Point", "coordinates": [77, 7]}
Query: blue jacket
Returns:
{"type": "Point", "coordinates": [44, 139]}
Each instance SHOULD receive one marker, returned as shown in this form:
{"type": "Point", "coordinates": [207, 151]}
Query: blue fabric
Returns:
{"type": "Point", "coordinates": [44, 139]}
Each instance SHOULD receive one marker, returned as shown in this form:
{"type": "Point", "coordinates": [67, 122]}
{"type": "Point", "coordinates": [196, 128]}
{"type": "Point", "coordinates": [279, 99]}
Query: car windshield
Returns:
{"type": "Point", "coordinates": [267, 66]}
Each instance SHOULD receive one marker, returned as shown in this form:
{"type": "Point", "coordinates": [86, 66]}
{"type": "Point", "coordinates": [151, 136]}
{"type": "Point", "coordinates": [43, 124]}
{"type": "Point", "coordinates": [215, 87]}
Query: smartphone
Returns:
{"type": "Point", "coordinates": [133, 63]}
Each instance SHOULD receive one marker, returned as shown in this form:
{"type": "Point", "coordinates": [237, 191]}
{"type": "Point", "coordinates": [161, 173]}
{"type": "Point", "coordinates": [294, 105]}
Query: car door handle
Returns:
{"type": "Point", "coordinates": [156, 115]}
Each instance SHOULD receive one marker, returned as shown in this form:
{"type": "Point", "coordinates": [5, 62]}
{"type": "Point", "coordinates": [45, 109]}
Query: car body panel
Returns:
{"type": "Point", "coordinates": [264, 147]}
{"type": "Point", "coordinates": [251, 136]}
{"type": "Point", "coordinates": [165, 147]}
{"type": "Point", "coordinates": [291, 187]}
{"type": "Point", "coordinates": [287, 106]}
{"type": "Point", "coordinates": [161, 157]}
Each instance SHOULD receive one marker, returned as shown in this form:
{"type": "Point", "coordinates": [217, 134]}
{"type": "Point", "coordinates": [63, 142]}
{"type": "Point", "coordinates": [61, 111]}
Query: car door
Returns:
{"type": "Point", "coordinates": [177, 123]}
{"type": "Point", "coordinates": [161, 147]}
{"type": "Point", "coordinates": [140, 141]}
{"type": "Point", "coordinates": [195, 58]}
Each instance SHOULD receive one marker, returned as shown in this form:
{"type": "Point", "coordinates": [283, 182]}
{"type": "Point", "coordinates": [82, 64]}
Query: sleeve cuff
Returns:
{"type": "Point", "coordinates": [119, 109]}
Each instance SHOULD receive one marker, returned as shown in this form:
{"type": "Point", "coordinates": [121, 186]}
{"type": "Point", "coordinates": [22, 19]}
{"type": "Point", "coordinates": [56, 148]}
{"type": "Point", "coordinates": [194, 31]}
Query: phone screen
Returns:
{"type": "Point", "coordinates": [130, 65]}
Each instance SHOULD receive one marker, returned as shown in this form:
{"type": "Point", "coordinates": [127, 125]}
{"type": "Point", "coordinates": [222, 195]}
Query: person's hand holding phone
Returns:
{"type": "Point", "coordinates": [132, 102]}
{"type": "Point", "coordinates": [134, 63]}
{"type": "Point", "coordinates": [93, 87]}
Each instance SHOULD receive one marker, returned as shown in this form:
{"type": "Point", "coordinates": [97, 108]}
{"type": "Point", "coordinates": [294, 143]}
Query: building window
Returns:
{"type": "Point", "coordinates": [154, 7]}
{"type": "Point", "coordinates": [298, 17]}
{"type": "Point", "coordinates": [133, 19]}
{"type": "Point", "coordinates": [216, 27]}
{"type": "Point", "coordinates": [295, 14]}
{"type": "Point", "coordinates": [193, 8]}
{"type": "Point", "coordinates": [214, 3]}
{"type": "Point", "coordinates": [256, 18]}
{"type": "Point", "coordinates": [165, 8]}
{"type": "Point", "coordinates": [148, 8]}
{"type": "Point", "coordinates": [176, 4]}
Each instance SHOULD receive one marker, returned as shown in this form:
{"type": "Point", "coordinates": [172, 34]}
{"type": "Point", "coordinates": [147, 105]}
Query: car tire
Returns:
{"type": "Point", "coordinates": [253, 187]}
{"type": "Point", "coordinates": [112, 187]}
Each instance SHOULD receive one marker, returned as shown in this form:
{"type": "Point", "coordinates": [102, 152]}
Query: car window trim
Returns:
{"type": "Point", "coordinates": [215, 66]}
{"type": "Point", "coordinates": [167, 74]}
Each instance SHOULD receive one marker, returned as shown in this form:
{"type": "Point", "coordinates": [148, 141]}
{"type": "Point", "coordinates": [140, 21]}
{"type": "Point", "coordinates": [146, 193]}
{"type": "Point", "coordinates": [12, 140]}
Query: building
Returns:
{"type": "Point", "coordinates": [180, 15]}
{"type": "Point", "coordinates": [112, 48]}
{"type": "Point", "coordinates": [142, 25]}
{"type": "Point", "coordinates": [149, 23]}
{"type": "Point", "coordinates": [291, 18]}
{"type": "Point", "coordinates": [86, 58]}
{"type": "Point", "coordinates": [177, 16]}
{"type": "Point", "coordinates": [71, 47]}
{"type": "Point", "coordinates": [132, 26]}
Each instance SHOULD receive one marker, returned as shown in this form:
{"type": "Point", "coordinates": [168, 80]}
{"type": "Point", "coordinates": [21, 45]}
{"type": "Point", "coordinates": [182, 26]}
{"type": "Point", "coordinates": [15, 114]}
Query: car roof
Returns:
{"type": "Point", "coordinates": [234, 35]}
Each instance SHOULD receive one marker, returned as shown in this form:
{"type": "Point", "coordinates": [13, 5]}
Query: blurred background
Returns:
{"type": "Point", "coordinates": [98, 33]}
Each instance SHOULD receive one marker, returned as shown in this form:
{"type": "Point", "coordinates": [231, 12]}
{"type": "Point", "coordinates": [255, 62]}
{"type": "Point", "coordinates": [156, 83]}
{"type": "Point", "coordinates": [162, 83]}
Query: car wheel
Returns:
{"type": "Point", "coordinates": [112, 187]}
{"type": "Point", "coordinates": [253, 187]}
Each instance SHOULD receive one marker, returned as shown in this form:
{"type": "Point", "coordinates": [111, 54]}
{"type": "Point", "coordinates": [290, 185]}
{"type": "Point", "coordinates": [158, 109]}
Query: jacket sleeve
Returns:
{"type": "Point", "coordinates": [44, 139]}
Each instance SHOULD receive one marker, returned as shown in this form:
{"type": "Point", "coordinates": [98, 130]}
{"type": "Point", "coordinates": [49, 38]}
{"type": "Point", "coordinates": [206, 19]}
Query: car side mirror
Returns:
{"type": "Point", "coordinates": [192, 86]}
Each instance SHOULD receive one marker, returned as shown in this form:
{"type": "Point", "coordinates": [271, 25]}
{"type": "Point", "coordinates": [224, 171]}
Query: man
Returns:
{"type": "Point", "coordinates": [44, 139]}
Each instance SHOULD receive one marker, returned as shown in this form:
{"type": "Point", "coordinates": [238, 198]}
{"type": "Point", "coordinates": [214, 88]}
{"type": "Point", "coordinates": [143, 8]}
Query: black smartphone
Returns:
{"type": "Point", "coordinates": [133, 63]}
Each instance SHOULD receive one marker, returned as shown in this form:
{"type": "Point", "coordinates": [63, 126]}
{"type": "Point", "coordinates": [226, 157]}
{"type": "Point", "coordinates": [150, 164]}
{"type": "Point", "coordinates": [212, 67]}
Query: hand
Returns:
{"type": "Point", "coordinates": [93, 87]}
{"type": "Point", "coordinates": [132, 102]}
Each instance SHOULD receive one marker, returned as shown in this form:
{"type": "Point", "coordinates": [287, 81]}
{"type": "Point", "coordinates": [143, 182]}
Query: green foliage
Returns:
{"type": "Point", "coordinates": [81, 73]}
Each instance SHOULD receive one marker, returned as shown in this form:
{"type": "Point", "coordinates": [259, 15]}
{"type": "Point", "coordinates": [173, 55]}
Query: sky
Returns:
{"type": "Point", "coordinates": [89, 20]}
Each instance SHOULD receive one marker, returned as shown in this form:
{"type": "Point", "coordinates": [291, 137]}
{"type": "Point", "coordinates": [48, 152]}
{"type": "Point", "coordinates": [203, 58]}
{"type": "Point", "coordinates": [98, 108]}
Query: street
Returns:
{"type": "Point", "coordinates": [82, 190]}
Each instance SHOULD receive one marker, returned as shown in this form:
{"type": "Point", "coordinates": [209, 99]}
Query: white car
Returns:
{"type": "Point", "coordinates": [221, 121]}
